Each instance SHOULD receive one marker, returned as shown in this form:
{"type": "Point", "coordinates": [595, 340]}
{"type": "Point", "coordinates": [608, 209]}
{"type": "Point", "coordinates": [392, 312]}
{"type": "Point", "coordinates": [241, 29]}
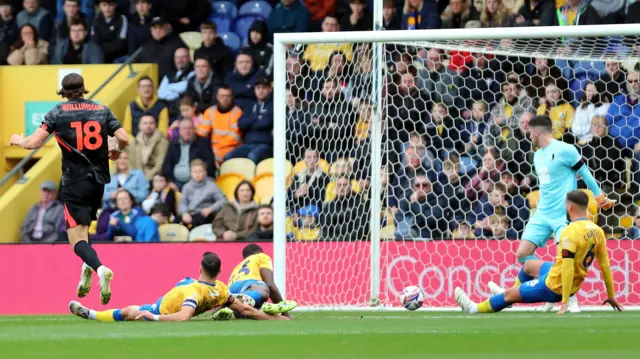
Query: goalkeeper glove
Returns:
{"type": "Point", "coordinates": [604, 202]}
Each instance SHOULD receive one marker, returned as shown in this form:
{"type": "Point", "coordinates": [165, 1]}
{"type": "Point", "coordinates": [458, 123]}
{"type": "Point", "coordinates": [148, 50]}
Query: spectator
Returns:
{"type": "Point", "coordinates": [237, 219]}
{"type": "Point", "coordinates": [345, 217]}
{"type": "Point", "coordinates": [544, 71]}
{"type": "Point", "coordinates": [146, 227]}
{"type": "Point", "coordinates": [41, 223]}
{"type": "Point", "coordinates": [161, 47]}
{"type": "Point", "coordinates": [624, 122]}
{"type": "Point", "coordinates": [390, 18]}
{"type": "Point", "coordinates": [318, 10]}
{"type": "Point", "coordinates": [359, 19]}
{"type": "Point", "coordinates": [147, 103]}
{"type": "Point", "coordinates": [513, 104]}
{"type": "Point", "coordinates": [259, 48]}
{"type": "Point", "coordinates": [131, 179]}
{"type": "Point", "coordinates": [140, 27]}
{"type": "Point", "coordinates": [148, 149]}
{"type": "Point", "coordinates": [463, 231]}
{"type": "Point", "coordinates": [531, 12]}
{"type": "Point", "coordinates": [458, 14]}
{"type": "Point", "coordinates": [571, 12]}
{"type": "Point", "coordinates": [122, 222]}
{"type": "Point", "coordinates": [201, 198]}
{"type": "Point", "coordinates": [174, 85]}
{"type": "Point", "coordinates": [162, 193]}
{"type": "Point", "coordinates": [496, 227]}
{"type": "Point", "coordinates": [306, 227]}
{"type": "Point", "coordinates": [309, 185]}
{"type": "Point", "coordinates": [479, 125]}
{"type": "Point", "coordinates": [615, 79]}
{"type": "Point", "coordinates": [288, 16]}
{"type": "Point", "coordinates": [187, 15]}
{"type": "Point", "coordinates": [242, 80]}
{"type": "Point", "coordinates": [411, 167]}
{"type": "Point", "coordinates": [203, 86]}
{"type": "Point", "coordinates": [420, 15]}
{"type": "Point", "coordinates": [41, 19]}
{"type": "Point", "coordinates": [77, 49]}
{"type": "Point", "coordinates": [8, 31]}
{"type": "Point", "coordinates": [420, 216]}
{"type": "Point", "coordinates": [109, 31]}
{"type": "Point", "coordinates": [220, 56]}
{"type": "Point", "coordinates": [256, 124]}
{"type": "Point", "coordinates": [220, 124]}
{"type": "Point", "coordinates": [558, 109]}
{"type": "Point", "coordinates": [29, 49]}
{"type": "Point", "coordinates": [443, 131]}
{"type": "Point", "coordinates": [482, 80]}
{"type": "Point", "coordinates": [188, 109]}
{"type": "Point", "coordinates": [71, 12]}
{"type": "Point", "coordinates": [182, 151]}
{"type": "Point", "coordinates": [408, 110]}
{"type": "Point", "coordinates": [605, 156]}
{"type": "Point", "coordinates": [450, 185]}
{"type": "Point", "coordinates": [360, 80]}
{"type": "Point", "coordinates": [516, 148]}
{"type": "Point", "coordinates": [495, 14]}
{"type": "Point", "coordinates": [318, 54]}
{"type": "Point", "coordinates": [494, 203]}
{"type": "Point", "coordinates": [264, 229]}
{"type": "Point", "coordinates": [593, 103]}
{"type": "Point", "coordinates": [437, 82]}
{"type": "Point", "coordinates": [633, 14]}
{"type": "Point", "coordinates": [488, 175]}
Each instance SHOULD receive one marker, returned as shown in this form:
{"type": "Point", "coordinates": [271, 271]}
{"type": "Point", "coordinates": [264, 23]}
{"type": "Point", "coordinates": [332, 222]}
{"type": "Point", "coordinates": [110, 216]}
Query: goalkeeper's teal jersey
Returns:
{"type": "Point", "coordinates": [556, 167]}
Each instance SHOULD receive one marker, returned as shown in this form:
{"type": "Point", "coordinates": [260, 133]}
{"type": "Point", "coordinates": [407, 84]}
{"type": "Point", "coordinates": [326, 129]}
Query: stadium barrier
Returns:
{"type": "Point", "coordinates": [48, 274]}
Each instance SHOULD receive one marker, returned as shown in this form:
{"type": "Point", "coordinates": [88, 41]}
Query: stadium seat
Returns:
{"type": "Point", "coordinates": [256, 7]}
{"type": "Point", "coordinates": [224, 9]}
{"type": "Point", "coordinates": [241, 166]}
{"type": "Point", "coordinates": [203, 233]}
{"type": "Point", "coordinates": [193, 40]}
{"type": "Point", "coordinates": [626, 221]}
{"type": "Point", "coordinates": [228, 183]}
{"type": "Point", "coordinates": [173, 232]}
{"type": "Point", "coordinates": [230, 39]}
{"type": "Point", "coordinates": [243, 24]}
{"type": "Point", "coordinates": [222, 23]}
{"type": "Point", "coordinates": [324, 165]}
{"type": "Point", "coordinates": [266, 200]}
{"type": "Point", "coordinates": [268, 166]}
{"type": "Point", "coordinates": [264, 186]}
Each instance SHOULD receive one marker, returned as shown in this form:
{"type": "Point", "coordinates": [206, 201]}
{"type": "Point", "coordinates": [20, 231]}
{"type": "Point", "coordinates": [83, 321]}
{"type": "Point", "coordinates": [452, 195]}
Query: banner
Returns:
{"type": "Point", "coordinates": [42, 279]}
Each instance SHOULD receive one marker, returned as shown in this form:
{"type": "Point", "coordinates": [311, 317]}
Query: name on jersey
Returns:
{"type": "Point", "coordinates": [82, 107]}
{"type": "Point", "coordinates": [543, 175]}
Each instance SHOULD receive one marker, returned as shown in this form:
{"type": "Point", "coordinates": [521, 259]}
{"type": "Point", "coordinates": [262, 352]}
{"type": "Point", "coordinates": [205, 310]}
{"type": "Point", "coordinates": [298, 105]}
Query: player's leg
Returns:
{"type": "Point", "coordinates": [574, 306]}
{"type": "Point", "coordinates": [535, 236]}
{"type": "Point", "coordinates": [110, 315]}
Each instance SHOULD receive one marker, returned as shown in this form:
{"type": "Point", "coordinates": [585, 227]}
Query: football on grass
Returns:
{"type": "Point", "coordinates": [412, 297]}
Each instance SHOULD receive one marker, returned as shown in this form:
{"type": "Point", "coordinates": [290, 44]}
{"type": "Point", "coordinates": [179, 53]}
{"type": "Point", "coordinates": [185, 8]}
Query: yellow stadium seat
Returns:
{"type": "Point", "coordinates": [266, 200]}
{"type": "Point", "coordinates": [173, 233]}
{"type": "Point", "coordinates": [241, 166]}
{"type": "Point", "coordinates": [228, 183]}
{"type": "Point", "coordinates": [264, 186]}
{"type": "Point", "coordinates": [324, 165]}
{"type": "Point", "coordinates": [203, 233]}
{"type": "Point", "coordinates": [626, 221]}
{"type": "Point", "coordinates": [193, 40]}
{"type": "Point", "coordinates": [386, 233]}
{"type": "Point", "coordinates": [268, 166]}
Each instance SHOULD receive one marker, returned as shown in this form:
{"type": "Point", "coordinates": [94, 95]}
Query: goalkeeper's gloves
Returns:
{"type": "Point", "coordinates": [604, 202]}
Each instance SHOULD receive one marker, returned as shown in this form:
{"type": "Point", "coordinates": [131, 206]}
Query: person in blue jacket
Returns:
{"type": "Point", "coordinates": [134, 223]}
{"type": "Point", "coordinates": [288, 16]}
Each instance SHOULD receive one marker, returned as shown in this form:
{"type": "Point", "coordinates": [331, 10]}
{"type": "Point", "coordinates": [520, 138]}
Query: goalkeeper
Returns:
{"type": "Point", "coordinates": [556, 164]}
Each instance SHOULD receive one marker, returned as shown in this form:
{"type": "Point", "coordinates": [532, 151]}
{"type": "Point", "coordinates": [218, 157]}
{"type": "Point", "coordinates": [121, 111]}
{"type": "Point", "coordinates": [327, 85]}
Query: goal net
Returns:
{"type": "Point", "coordinates": [404, 158]}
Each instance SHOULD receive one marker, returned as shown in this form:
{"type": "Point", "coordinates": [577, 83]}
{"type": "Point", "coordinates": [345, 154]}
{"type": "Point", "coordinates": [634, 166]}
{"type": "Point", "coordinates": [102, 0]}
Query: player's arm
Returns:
{"type": "Point", "coordinates": [115, 130]}
{"type": "Point", "coordinates": [253, 313]}
{"type": "Point", "coordinates": [568, 251]}
{"type": "Point", "coordinates": [274, 292]}
{"type": "Point", "coordinates": [123, 139]}
{"type": "Point", "coordinates": [182, 316]}
{"type": "Point", "coordinates": [577, 164]}
{"type": "Point", "coordinates": [31, 142]}
{"type": "Point", "coordinates": [605, 268]}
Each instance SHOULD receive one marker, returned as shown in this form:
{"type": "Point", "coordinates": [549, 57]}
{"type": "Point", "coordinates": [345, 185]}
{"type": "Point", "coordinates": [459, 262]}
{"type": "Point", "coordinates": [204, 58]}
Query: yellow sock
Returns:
{"type": "Point", "coordinates": [516, 282]}
{"type": "Point", "coordinates": [105, 316]}
{"type": "Point", "coordinates": [485, 307]}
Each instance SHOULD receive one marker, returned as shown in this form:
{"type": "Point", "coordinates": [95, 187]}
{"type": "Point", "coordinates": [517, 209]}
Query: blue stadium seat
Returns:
{"type": "Point", "coordinates": [230, 39]}
{"type": "Point", "coordinates": [224, 9]}
{"type": "Point", "coordinates": [256, 7]}
{"type": "Point", "coordinates": [222, 23]}
{"type": "Point", "coordinates": [243, 23]}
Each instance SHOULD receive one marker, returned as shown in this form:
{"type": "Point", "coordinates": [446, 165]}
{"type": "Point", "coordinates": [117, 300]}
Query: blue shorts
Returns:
{"type": "Point", "coordinates": [243, 285]}
{"type": "Point", "coordinates": [536, 291]}
{"type": "Point", "coordinates": [153, 308]}
{"type": "Point", "coordinates": [540, 228]}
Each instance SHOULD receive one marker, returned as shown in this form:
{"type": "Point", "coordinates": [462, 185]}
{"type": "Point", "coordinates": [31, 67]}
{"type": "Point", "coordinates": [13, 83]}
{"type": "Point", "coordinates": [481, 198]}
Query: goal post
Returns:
{"type": "Point", "coordinates": [368, 271]}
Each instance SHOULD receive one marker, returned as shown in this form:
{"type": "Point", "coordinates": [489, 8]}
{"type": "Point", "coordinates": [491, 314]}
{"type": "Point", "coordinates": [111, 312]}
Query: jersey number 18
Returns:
{"type": "Point", "coordinates": [87, 135]}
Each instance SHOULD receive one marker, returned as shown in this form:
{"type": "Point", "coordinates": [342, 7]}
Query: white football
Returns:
{"type": "Point", "coordinates": [412, 297]}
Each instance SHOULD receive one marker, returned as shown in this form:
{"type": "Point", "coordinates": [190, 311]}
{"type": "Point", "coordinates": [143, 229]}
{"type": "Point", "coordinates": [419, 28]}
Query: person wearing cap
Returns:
{"type": "Point", "coordinates": [41, 223]}
{"type": "Point", "coordinates": [8, 30]}
{"type": "Point", "coordinates": [161, 47]}
{"type": "Point", "coordinates": [256, 125]}
{"type": "Point", "coordinates": [109, 31]}
{"type": "Point", "coordinates": [37, 16]}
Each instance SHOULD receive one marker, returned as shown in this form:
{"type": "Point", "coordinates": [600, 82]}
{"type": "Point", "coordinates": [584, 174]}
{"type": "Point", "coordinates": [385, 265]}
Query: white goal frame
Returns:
{"type": "Point", "coordinates": [282, 40]}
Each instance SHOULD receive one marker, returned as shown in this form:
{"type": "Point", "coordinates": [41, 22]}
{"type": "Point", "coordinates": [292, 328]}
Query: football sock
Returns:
{"type": "Point", "coordinates": [112, 315]}
{"type": "Point", "coordinates": [517, 281]}
{"type": "Point", "coordinates": [493, 304]}
{"type": "Point", "coordinates": [88, 255]}
{"type": "Point", "coordinates": [256, 296]}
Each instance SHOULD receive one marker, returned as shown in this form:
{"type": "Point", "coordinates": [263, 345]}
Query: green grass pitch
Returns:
{"type": "Point", "coordinates": [329, 335]}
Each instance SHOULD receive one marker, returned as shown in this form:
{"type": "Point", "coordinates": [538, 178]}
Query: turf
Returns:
{"type": "Point", "coordinates": [331, 335]}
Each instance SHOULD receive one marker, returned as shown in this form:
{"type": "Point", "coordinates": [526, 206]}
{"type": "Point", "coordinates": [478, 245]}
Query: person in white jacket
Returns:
{"type": "Point", "coordinates": [594, 101]}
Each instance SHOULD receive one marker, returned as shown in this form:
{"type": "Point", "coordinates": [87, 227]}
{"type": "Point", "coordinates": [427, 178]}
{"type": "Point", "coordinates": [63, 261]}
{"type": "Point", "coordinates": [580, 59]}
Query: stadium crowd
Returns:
{"type": "Point", "coordinates": [456, 164]}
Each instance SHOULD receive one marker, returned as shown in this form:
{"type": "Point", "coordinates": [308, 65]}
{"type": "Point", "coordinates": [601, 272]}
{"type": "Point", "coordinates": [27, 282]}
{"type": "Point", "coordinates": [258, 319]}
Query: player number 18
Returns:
{"type": "Point", "coordinates": [87, 135]}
